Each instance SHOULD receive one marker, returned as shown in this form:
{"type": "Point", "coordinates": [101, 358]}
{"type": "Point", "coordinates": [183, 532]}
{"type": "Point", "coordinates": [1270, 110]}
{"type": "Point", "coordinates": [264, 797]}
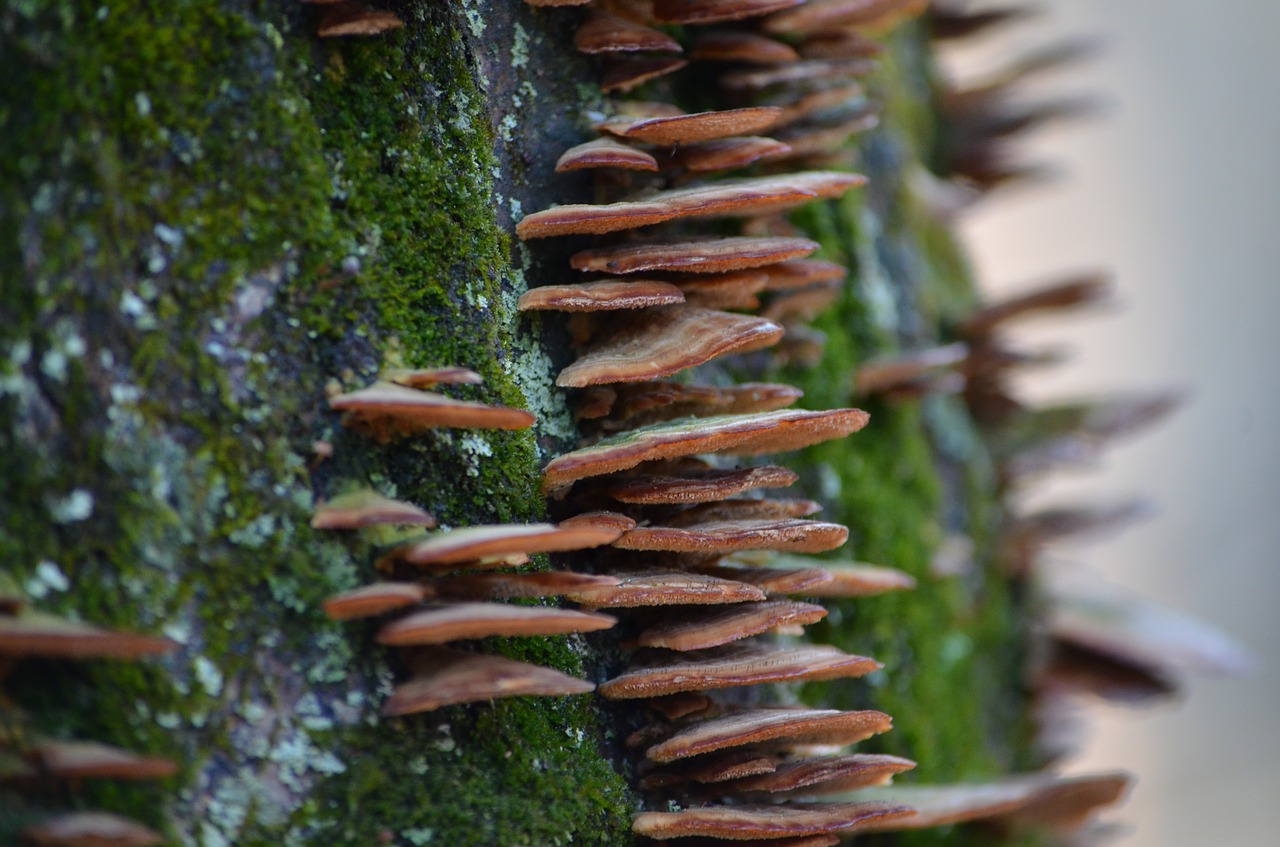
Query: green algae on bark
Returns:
{"type": "Point", "coordinates": [207, 217]}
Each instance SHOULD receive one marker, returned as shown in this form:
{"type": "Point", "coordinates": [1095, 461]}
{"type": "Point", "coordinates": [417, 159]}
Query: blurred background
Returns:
{"type": "Point", "coordinates": [1175, 188]}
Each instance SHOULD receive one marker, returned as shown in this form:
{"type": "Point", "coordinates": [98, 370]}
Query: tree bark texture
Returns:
{"type": "Point", "coordinates": [209, 218]}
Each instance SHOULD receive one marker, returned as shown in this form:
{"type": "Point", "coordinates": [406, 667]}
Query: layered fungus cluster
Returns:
{"type": "Point", "coordinates": [44, 768]}
{"type": "Point", "coordinates": [684, 275]}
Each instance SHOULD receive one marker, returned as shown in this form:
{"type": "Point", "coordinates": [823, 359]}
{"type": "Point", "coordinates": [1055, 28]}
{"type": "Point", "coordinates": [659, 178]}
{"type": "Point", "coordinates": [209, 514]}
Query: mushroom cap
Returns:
{"type": "Point", "coordinates": [414, 409]}
{"type": "Point", "coordinates": [697, 487]}
{"type": "Point", "coordinates": [724, 154]}
{"type": "Point", "coordinates": [31, 633]}
{"type": "Point", "coordinates": [705, 255]}
{"type": "Point", "coordinates": [600, 296]}
{"type": "Point", "coordinates": [735, 290]}
{"type": "Point", "coordinates": [727, 536]}
{"type": "Point", "coordinates": [801, 273]}
{"type": "Point", "coordinates": [670, 130]}
{"type": "Point", "coordinates": [721, 198]}
{"type": "Point", "coordinates": [826, 775]}
{"type": "Point", "coordinates": [458, 621]}
{"type": "Point", "coordinates": [368, 600]}
{"type": "Point", "coordinates": [715, 11]}
{"type": "Point", "coordinates": [819, 15]}
{"type": "Point", "coordinates": [775, 581]}
{"type": "Point", "coordinates": [665, 589]}
{"type": "Point", "coordinates": [729, 765]}
{"type": "Point", "coordinates": [510, 585]}
{"type": "Point", "coordinates": [474, 543]}
{"type": "Point", "coordinates": [743, 822]}
{"type": "Point", "coordinates": [758, 726]}
{"type": "Point", "coordinates": [1073, 292]}
{"type": "Point", "coordinates": [623, 73]}
{"type": "Point", "coordinates": [752, 434]}
{"type": "Point", "coordinates": [665, 340]}
{"type": "Point", "coordinates": [807, 71]}
{"type": "Point", "coordinates": [1131, 629]}
{"type": "Point", "coordinates": [888, 373]}
{"type": "Point", "coordinates": [366, 507]}
{"type": "Point", "coordinates": [89, 759]}
{"type": "Point", "coordinates": [735, 665]}
{"type": "Point", "coordinates": [605, 32]}
{"type": "Point", "coordinates": [738, 46]}
{"type": "Point", "coordinates": [858, 580]}
{"type": "Point", "coordinates": [446, 677]}
{"type": "Point", "coordinates": [1044, 798]}
{"type": "Point", "coordinates": [637, 404]}
{"type": "Point", "coordinates": [427, 377]}
{"type": "Point", "coordinates": [91, 829]}
{"type": "Point", "coordinates": [723, 626]}
{"type": "Point", "coordinates": [343, 19]}
{"type": "Point", "coordinates": [605, 153]}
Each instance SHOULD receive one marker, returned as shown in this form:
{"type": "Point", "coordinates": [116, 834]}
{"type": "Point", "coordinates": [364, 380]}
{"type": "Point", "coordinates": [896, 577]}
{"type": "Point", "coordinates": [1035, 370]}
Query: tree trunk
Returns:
{"type": "Point", "coordinates": [210, 218]}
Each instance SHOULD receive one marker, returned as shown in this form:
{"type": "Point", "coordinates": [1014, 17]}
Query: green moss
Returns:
{"type": "Point", "coordinates": [207, 216]}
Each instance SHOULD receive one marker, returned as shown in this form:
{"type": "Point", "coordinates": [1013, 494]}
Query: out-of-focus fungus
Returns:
{"type": "Point", "coordinates": [91, 760]}
{"type": "Point", "coordinates": [458, 621]}
{"type": "Point", "coordinates": [698, 487]}
{"type": "Point", "coordinates": [444, 676]}
{"type": "Point", "coordinates": [91, 829]}
{"type": "Point", "coordinates": [773, 821]}
{"type": "Point", "coordinates": [479, 543]}
{"type": "Point", "coordinates": [729, 624]}
{"type": "Point", "coordinates": [31, 633]}
{"type": "Point", "coordinates": [363, 508]}
{"type": "Point", "coordinates": [605, 32]}
{"type": "Point", "coordinates": [369, 600]}
{"type": "Point", "coordinates": [739, 46]}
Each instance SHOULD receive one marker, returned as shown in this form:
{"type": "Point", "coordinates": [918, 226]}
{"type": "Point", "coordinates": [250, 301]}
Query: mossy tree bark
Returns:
{"type": "Point", "coordinates": [208, 217]}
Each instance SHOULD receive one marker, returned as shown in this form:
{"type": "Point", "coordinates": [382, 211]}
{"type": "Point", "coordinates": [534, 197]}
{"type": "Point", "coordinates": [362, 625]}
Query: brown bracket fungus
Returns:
{"type": "Point", "coordinates": [386, 407]}
{"type": "Point", "coordinates": [459, 621]}
{"type": "Point", "coordinates": [369, 600]}
{"type": "Point", "coordinates": [741, 822]}
{"type": "Point", "coordinates": [706, 256]}
{"type": "Point", "coordinates": [363, 508]}
{"type": "Point", "coordinates": [444, 677]}
{"type": "Point", "coordinates": [605, 153]}
{"type": "Point", "coordinates": [770, 726]}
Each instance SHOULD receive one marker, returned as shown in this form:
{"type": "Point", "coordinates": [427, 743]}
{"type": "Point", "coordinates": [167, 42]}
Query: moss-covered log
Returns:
{"type": "Point", "coordinates": [208, 219]}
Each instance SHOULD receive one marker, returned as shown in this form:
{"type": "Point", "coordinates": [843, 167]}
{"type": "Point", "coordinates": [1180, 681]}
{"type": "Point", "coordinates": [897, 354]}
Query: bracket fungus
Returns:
{"type": "Point", "coordinates": [445, 676]}
{"type": "Point", "coordinates": [386, 407]}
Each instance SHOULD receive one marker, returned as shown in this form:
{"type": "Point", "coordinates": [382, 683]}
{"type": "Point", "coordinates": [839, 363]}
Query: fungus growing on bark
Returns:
{"type": "Point", "coordinates": [504, 586]}
{"type": "Point", "coordinates": [664, 589]}
{"type": "Point", "coordinates": [738, 197]}
{"type": "Point", "coordinates": [700, 486]}
{"type": "Point", "coordinates": [444, 677]}
{"type": "Point", "coordinates": [726, 625]}
{"type": "Point", "coordinates": [826, 775]}
{"type": "Point", "coordinates": [894, 372]}
{"type": "Point", "coordinates": [732, 666]}
{"type": "Point", "coordinates": [605, 32]}
{"type": "Point", "coordinates": [458, 621]}
{"type": "Point", "coordinates": [600, 296]}
{"type": "Point", "coordinates": [1070, 293]}
{"type": "Point", "coordinates": [627, 406]}
{"type": "Point", "coordinates": [770, 726]}
{"type": "Point", "coordinates": [724, 154]}
{"type": "Point", "coordinates": [744, 435]}
{"type": "Point", "coordinates": [716, 11]}
{"type": "Point", "coordinates": [91, 829]}
{"type": "Point", "coordinates": [364, 508]}
{"type": "Point", "coordinates": [605, 153]}
{"type": "Point", "coordinates": [344, 19]}
{"type": "Point", "coordinates": [385, 407]}
{"type": "Point", "coordinates": [723, 291]}
{"type": "Point", "coordinates": [31, 633]}
{"type": "Point", "coordinates": [623, 73]}
{"type": "Point", "coordinates": [742, 822]}
{"type": "Point", "coordinates": [92, 760]}
{"type": "Point", "coordinates": [818, 15]}
{"type": "Point", "coordinates": [369, 600]}
{"type": "Point", "coordinates": [727, 536]}
{"type": "Point", "coordinates": [740, 46]}
{"type": "Point", "coordinates": [673, 129]}
{"type": "Point", "coordinates": [774, 581]}
{"type": "Point", "coordinates": [808, 70]}
{"type": "Point", "coordinates": [428, 377]}
{"type": "Point", "coordinates": [665, 340]}
{"type": "Point", "coordinates": [477, 543]}
{"type": "Point", "coordinates": [707, 255]}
